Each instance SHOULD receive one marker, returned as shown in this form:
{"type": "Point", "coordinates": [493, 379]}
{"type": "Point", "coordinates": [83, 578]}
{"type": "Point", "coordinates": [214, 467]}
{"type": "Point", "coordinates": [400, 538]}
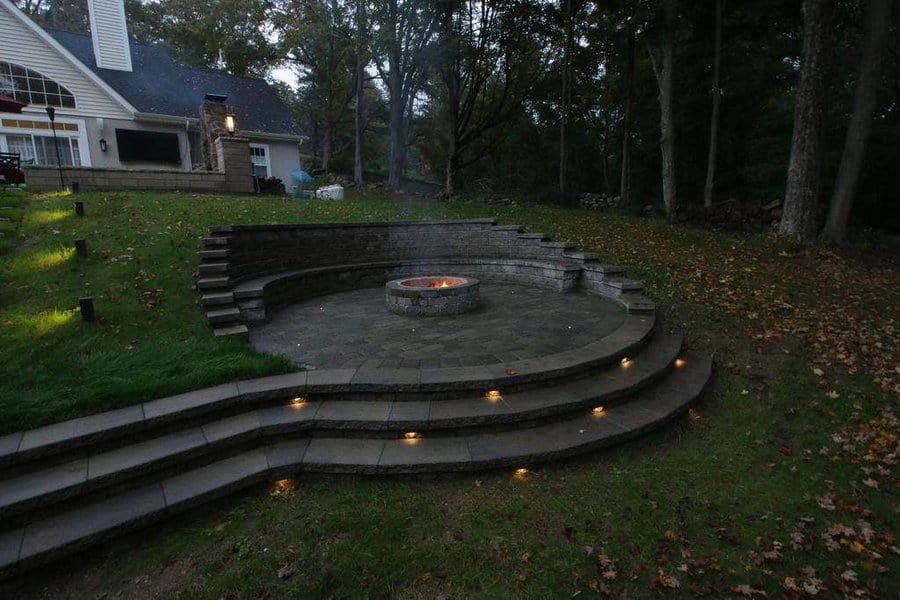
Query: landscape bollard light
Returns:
{"type": "Point", "coordinates": [76, 187]}
{"type": "Point", "coordinates": [86, 305]}
{"type": "Point", "coordinates": [79, 208]}
{"type": "Point", "coordinates": [81, 248]}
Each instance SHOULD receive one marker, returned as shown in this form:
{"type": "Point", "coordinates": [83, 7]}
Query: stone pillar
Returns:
{"type": "Point", "coordinates": [233, 157]}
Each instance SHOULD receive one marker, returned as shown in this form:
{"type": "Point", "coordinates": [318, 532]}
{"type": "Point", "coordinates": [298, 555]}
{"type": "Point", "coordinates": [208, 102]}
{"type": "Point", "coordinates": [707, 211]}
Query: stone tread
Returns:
{"type": "Point", "coordinates": [231, 330]}
{"type": "Point", "coordinates": [223, 315]}
{"type": "Point", "coordinates": [582, 256]}
{"type": "Point", "coordinates": [609, 388]}
{"type": "Point", "coordinates": [67, 532]}
{"type": "Point", "coordinates": [210, 268]}
{"type": "Point", "coordinates": [214, 254]}
{"type": "Point", "coordinates": [634, 332]}
{"type": "Point", "coordinates": [623, 283]}
{"type": "Point", "coordinates": [217, 298]}
{"type": "Point", "coordinates": [213, 283]}
{"type": "Point", "coordinates": [215, 242]}
{"type": "Point", "coordinates": [604, 269]}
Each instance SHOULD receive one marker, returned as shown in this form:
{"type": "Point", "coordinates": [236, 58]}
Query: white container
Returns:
{"type": "Point", "coordinates": [330, 192]}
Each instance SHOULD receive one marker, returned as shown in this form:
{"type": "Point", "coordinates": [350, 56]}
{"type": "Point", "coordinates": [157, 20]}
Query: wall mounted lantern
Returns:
{"type": "Point", "coordinates": [230, 123]}
{"type": "Point", "coordinates": [103, 145]}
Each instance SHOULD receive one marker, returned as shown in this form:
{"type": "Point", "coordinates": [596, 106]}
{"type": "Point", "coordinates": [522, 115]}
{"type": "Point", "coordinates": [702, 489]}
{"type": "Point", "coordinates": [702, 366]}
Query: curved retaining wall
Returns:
{"type": "Point", "coordinates": [247, 271]}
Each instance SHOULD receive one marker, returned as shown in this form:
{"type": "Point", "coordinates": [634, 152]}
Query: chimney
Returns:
{"type": "Point", "coordinates": [110, 34]}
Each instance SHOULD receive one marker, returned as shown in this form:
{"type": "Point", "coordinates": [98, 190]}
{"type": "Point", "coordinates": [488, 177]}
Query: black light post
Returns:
{"type": "Point", "coordinates": [79, 208]}
{"type": "Point", "coordinates": [51, 112]}
{"type": "Point", "coordinates": [81, 248]}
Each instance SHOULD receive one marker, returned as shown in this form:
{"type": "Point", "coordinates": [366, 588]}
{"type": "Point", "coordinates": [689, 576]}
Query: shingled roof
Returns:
{"type": "Point", "coordinates": [160, 85]}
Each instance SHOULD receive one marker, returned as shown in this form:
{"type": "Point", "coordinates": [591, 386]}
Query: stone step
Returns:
{"type": "Point", "coordinates": [215, 242]}
{"type": "Point", "coordinates": [79, 527]}
{"type": "Point", "coordinates": [213, 283]}
{"type": "Point", "coordinates": [217, 298]}
{"type": "Point", "coordinates": [533, 236]}
{"type": "Point", "coordinates": [559, 245]}
{"type": "Point", "coordinates": [604, 269]}
{"type": "Point", "coordinates": [221, 316]}
{"type": "Point", "coordinates": [507, 228]}
{"type": "Point", "coordinates": [240, 330]}
{"type": "Point", "coordinates": [214, 254]}
{"type": "Point", "coordinates": [44, 486]}
{"type": "Point", "coordinates": [582, 256]}
{"type": "Point", "coordinates": [212, 268]}
{"type": "Point", "coordinates": [637, 303]}
{"type": "Point", "coordinates": [407, 384]}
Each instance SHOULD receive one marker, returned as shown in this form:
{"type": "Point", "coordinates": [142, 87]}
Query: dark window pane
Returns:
{"type": "Point", "coordinates": [148, 146]}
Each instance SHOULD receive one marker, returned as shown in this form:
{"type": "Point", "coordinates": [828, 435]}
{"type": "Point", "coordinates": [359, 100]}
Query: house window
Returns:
{"type": "Point", "coordinates": [40, 149]}
{"type": "Point", "coordinates": [259, 158]}
{"type": "Point", "coordinates": [30, 87]}
{"type": "Point", "coordinates": [148, 146]}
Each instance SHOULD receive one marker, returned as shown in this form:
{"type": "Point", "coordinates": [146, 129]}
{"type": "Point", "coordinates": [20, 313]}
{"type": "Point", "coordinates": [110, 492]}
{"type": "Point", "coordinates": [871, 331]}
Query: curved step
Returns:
{"type": "Point", "coordinates": [22, 447]}
{"type": "Point", "coordinates": [102, 469]}
{"type": "Point", "coordinates": [67, 532]}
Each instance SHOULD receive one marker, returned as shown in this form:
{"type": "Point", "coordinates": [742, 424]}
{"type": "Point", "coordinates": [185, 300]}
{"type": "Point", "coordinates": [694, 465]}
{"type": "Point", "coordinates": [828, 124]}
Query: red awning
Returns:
{"type": "Point", "coordinates": [9, 105]}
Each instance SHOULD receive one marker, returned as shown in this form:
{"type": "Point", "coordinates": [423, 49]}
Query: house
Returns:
{"type": "Point", "coordinates": [129, 115]}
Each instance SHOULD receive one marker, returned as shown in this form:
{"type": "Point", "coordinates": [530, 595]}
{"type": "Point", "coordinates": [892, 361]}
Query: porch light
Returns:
{"type": "Point", "coordinates": [230, 123]}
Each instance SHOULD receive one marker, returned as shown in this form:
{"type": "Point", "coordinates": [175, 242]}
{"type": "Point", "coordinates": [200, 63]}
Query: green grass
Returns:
{"type": "Point", "coordinates": [700, 501]}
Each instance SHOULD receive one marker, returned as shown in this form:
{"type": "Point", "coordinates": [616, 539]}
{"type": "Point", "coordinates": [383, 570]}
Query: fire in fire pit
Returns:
{"type": "Point", "coordinates": [432, 295]}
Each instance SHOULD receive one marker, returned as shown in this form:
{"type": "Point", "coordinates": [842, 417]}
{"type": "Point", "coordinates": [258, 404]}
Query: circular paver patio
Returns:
{"type": "Point", "coordinates": [354, 329]}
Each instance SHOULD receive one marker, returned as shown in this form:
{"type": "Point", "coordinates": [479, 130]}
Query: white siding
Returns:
{"type": "Point", "coordinates": [21, 45]}
{"type": "Point", "coordinates": [109, 34]}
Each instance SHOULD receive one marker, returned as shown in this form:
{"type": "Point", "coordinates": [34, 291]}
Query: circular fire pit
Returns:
{"type": "Point", "coordinates": [432, 295]}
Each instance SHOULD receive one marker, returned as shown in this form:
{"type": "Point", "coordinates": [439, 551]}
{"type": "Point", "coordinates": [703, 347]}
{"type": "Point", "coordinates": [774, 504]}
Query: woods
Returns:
{"type": "Point", "coordinates": [670, 106]}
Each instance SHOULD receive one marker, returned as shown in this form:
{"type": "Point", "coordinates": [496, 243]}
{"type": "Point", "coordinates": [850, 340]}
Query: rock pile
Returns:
{"type": "Point", "coordinates": [599, 201]}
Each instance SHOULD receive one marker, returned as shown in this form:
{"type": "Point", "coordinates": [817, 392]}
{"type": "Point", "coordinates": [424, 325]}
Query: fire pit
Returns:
{"type": "Point", "coordinates": [432, 295]}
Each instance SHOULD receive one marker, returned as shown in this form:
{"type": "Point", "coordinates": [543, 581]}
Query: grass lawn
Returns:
{"type": "Point", "coordinates": [783, 482]}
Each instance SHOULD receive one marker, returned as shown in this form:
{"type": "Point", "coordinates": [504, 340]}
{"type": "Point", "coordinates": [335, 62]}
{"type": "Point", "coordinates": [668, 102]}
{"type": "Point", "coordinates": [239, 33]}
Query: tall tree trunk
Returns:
{"type": "Point", "coordinates": [625, 181]}
{"type": "Point", "coordinates": [802, 190]}
{"type": "Point", "coordinates": [714, 118]}
{"type": "Point", "coordinates": [860, 127]}
{"type": "Point", "coordinates": [397, 133]}
{"type": "Point", "coordinates": [663, 74]}
{"type": "Point", "coordinates": [326, 146]}
{"type": "Point", "coordinates": [566, 99]}
{"type": "Point", "coordinates": [358, 109]}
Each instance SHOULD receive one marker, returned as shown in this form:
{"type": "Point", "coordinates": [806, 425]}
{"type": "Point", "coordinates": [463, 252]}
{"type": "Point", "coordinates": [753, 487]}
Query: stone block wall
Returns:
{"type": "Point", "coordinates": [233, 175]}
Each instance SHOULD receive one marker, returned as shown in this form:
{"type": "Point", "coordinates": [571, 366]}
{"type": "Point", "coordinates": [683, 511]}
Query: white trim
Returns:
{"type": "Point", "coordinates": [268, 158]}
{"type": "Point", "coordinates": [263, 135]}
{"type": "Point", "coordinates": [34, 27]}
{"type": "Point", "coordinates": [84, 154]}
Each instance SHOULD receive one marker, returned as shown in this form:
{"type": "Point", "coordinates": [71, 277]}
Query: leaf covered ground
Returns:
{"type": "Point", "coordinates": [781, 483]}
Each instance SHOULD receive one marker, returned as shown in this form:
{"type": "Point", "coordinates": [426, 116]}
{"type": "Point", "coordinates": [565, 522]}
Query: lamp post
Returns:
{"type": "Point", "coordinates": [51, 112]}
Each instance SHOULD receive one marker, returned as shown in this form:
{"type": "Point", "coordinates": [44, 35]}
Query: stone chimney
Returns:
{"type": "Point", "coordinates": [109, 33]}
{"type": "Point", "coordinates": [212, 127]}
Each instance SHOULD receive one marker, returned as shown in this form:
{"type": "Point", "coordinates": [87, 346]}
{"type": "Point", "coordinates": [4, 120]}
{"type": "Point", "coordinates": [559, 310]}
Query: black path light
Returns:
{"type": "Point", "coordinates": [81, 248]}
{"type": "Point", "coordinates": [51, 112]}
{"type": "Point", "coordinates": [79, 208]}
{"type": "Point", "coordinates": [86, 306]}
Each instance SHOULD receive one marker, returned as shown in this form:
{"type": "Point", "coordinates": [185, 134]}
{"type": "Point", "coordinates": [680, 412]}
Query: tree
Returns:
{"type": "Point", "coordinates": [714, 116]}
{"type": "Point", "coordinates": [860, 126]}
{"type": "Point", "coordinates": [625, 180]}
{"type": "Point", "coordinates": [662, 68]}
{"type": "Point", "coordinates": [405, 31]}
{"type": "Point", "coordinates": [802, 191]}
{"type": "Point", "coordinates": [486, 64]}
{"type": "Point", "coordinates": [362, 42]}
{"type": "Point", "coordinates": [565, 102]}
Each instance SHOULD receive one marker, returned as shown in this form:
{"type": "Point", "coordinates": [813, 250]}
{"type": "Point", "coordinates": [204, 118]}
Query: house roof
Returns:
{"type": "Point", "coordinates": [161, 85]}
